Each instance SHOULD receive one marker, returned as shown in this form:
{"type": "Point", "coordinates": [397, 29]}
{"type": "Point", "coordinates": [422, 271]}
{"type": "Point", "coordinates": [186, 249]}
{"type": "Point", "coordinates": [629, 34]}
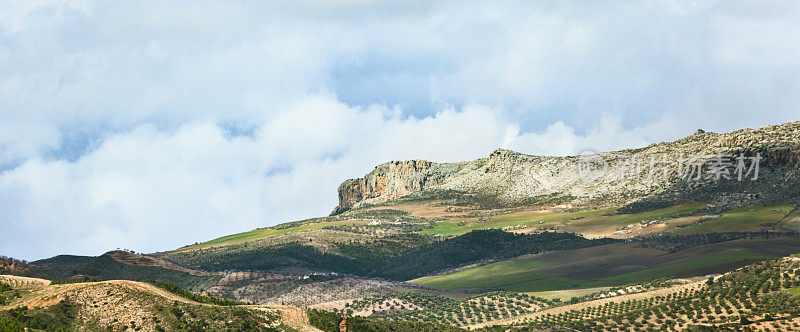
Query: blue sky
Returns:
{"type": "Point", "coordinates": [153, 125]}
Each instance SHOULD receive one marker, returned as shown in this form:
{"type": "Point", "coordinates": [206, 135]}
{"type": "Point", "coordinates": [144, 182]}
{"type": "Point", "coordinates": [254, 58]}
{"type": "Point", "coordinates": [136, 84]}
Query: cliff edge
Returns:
{"type": "Point", "coordinates": [657, 170]}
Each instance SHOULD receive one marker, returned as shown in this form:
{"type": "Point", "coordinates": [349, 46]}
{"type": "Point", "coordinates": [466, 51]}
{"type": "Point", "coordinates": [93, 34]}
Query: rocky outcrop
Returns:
{"type": "Point", "coordinates": [388, 181]}
{"type": "Point", "coordinates": [513, 177]}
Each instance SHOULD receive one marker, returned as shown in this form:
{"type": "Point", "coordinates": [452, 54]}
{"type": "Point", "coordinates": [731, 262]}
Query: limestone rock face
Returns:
{"type": "Point", "coordinates": [389, 181]}
{"type": "Point", "coordinates": [630, 174]}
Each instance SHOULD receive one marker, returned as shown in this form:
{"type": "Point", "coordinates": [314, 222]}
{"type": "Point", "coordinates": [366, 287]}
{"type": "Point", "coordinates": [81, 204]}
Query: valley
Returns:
{"type": "Point", "coordinates": [505, 242]}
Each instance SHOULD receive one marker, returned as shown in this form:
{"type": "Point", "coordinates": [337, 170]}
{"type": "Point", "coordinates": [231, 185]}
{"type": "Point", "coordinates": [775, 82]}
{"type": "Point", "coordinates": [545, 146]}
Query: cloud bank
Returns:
{"type": "Point", "coordinates": [151, 126]}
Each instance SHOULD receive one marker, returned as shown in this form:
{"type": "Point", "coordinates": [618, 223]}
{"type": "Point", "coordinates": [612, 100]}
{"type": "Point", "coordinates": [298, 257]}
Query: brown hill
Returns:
{"type": "Point", "coordinates": [124, 304]}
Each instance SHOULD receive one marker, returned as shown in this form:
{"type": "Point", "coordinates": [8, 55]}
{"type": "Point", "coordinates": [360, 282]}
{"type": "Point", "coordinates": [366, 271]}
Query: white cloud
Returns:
{"type": "Point", "coordinates": [154, 125]}
{"type": "Point", "coordinates": [149, 190]}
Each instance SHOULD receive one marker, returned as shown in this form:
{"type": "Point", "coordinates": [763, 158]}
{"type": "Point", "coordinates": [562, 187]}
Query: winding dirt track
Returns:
{"type": "Point", "coordinates": [49, 294]}
{"type": "Point", "coordinates": [23, 282]}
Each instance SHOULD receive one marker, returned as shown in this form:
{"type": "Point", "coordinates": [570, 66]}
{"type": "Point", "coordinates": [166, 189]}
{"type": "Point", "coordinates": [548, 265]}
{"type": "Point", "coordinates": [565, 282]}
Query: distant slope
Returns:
{"type": "Point", "coordinates": [394, 257]}
{"type": "Point", "coordinates": [477, 246]}
{"type": "Point", "coordinates": [10, 265]}
{"type": "Point", "coordinates": [326, 250]}
{"type": "Point", "coordinates": [112, 266]}
{"type": "Point", "coordinates": [616, 264]}
{"type": "Point", "coordinates": [63, 261]}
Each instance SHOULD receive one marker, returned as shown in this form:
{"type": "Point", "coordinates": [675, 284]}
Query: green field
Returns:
{"type": "Point", "coordinates": [608, 265]}
{"type": "Point", "coordinates": [747, 218]}
{"type": "Point", "coordinates": [495, 275]}
{"type": "Point", "coordinates": [684, 267]}
{"type": "Point", "coordinates": [577, 220]}
{"type": "Point", "coordinates": [522, 277]}
{"type": "Point", "coordinates": [263, 233]}
{"type": "Point", "coordinates": [454, 227]}
{"type": "Point", "coordinates": [741, 219]}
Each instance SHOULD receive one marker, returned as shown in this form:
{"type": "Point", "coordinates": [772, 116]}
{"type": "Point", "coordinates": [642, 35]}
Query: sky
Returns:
{"type": "Point", "coordinates": [153, 125]}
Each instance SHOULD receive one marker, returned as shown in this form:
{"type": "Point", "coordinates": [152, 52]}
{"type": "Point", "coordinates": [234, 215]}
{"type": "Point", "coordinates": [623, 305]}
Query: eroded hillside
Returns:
{"type": "Point", "coordinates": [121, 305]}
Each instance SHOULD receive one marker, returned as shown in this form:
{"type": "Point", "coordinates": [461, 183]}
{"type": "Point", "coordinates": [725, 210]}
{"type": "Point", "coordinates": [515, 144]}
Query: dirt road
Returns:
{"type": "Point", "coordinates": [23, 282]}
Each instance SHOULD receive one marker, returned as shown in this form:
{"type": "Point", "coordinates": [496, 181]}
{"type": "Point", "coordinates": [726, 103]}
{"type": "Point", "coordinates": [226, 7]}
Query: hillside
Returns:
{"type": "Point", "coordinates": [761, 296]}
{"type": "Point", "coordinates": [118, 265]}
{"type": "Point", "coordinates": [414, 223]}
{"type": "Point", "coordinates": [477, 246]}
{"type": "Point", "coordinates": [393, 258]}
{"type": "Point", "coordinates": [507, 178]}
{"type": "Point", "coordinates": [122, 305]}
{"type": "Point", "coordinates": [510, 240]}
{"type": "Point", "coordinates": [758, 296]}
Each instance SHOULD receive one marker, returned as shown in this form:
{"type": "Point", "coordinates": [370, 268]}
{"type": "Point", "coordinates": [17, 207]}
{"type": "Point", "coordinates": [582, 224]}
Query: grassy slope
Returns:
{"type": "Point", "coordinates": [520, 275]}
{"type": "Point", "coordinates": [741, 219]}
{"type": "Point", "coordinates": [263, 233]}
{"type": "Point", "coordinates": [105, 267]}
{"type": "Point", "coordinates": [512, 274]}
{"type": "Point", "coordinates": [396, 257]}
{"type": "Point", "coordinates": [577, 220]}
{"type": "Point", "coordinates": [735, 220]}
{"type": "Point", "coordinates": [452, 228]}
{"type": "Point", "coordinates": [494, 275]}
{"type": "Point", "coordinates": [610, 265]}
{"type": "Point", "coordinates": [477, 246]}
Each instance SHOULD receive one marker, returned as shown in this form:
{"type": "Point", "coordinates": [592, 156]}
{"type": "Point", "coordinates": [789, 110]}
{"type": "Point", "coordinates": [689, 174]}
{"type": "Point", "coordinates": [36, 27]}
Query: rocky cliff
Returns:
{"type": "Point", "coordinates": [623, 176]}
{"type": "Point", "coordinates": [393, 180]}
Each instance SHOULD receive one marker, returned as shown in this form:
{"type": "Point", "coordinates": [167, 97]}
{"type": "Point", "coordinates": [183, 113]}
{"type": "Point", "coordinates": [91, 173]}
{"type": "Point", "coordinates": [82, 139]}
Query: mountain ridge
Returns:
{"type": "Point", "coordinates": [514, 178]}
